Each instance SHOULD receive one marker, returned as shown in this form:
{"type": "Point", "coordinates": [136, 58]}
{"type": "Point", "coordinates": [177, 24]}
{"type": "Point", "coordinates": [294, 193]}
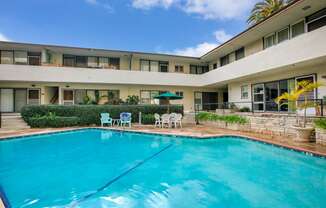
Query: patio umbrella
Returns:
{"type": "Point", "coordinates": [168, 96]}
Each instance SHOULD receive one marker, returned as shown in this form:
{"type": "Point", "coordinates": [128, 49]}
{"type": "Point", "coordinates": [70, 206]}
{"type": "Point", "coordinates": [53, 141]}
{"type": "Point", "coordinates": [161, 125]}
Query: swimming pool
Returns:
{"type": "Point", "coordinates": [103, 168]}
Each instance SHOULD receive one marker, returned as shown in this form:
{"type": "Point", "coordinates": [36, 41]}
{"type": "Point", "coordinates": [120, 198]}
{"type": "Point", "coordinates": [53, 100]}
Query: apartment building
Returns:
{"type": "Point", "coordinates": [251, 69]}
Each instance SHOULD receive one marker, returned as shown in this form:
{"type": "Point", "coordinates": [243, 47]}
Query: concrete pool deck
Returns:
{"type": "Point", "coordinates": [198, 131]}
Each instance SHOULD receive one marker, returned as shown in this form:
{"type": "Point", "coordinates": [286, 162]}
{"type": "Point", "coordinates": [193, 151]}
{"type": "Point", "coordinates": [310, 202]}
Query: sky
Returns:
{"type": "Point", "coordinates": [182, 27]}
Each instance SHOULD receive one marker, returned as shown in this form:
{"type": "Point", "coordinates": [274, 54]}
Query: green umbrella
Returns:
{"type": "Point", "coordinates": [168, 96]}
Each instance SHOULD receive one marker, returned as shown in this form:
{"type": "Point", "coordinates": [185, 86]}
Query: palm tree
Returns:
{"type": "Point", "coordinates": [294, 99]}
{"type": "Point", "coordinates": [264, 9]}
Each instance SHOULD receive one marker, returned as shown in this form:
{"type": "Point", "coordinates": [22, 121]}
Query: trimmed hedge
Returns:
{"type": "Point", "coordinates": [148, 119]}
{"type": "Point", "coordinates": [90, 114]}
{"type": "Point", "coordinates": [55, 122]}
{"type": "Point", "coordinates": [206, 116]}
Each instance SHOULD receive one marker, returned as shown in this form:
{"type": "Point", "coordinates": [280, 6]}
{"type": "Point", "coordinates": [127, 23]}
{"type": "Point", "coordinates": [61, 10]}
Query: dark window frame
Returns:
{"type": "Point", "coordinates": [204, 69]}
{"type": "Point", "coordinates": [240, 53]}
{"type": "Point", "coordinates": [225, 60]}
{"type": "Point", "coordinates": [160, 63]}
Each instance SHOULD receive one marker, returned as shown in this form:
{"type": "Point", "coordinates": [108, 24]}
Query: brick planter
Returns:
{"type": "Point", "coordinates": [321, 136]}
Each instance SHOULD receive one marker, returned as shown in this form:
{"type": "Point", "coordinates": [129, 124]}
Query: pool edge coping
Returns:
{"type": "Point", "coordinates": [214, 136]}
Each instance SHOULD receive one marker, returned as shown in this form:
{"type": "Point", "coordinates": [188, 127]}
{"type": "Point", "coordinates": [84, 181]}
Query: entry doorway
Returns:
{"type": "Point", "coordinates": [12, 100]}
{"type": "Point", "coordinates": [7, 100]}
{"type": "Point", "coordinates": [206, 100]}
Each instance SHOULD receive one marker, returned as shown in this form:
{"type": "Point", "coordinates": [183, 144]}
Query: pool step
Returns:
{"type": "Point", "coordinates": [13, 121]}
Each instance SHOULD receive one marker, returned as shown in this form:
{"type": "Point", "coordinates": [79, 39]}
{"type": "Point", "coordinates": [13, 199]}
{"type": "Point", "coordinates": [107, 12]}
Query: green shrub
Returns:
{"type": "Point", "coordinates": [90, 114]}
{"type": "Point", "coordinates": [206, 116]}
{"type": "Point", "coordinates": [54, 122]}
{"type": "Point", "coordinates": [147, 119]}
{"type": "Point", "coordinates": [245, 109]}
{"type": "Point", "coordinates": [234, 119]}
{"type": "Point", "coordinates": [320, 123]}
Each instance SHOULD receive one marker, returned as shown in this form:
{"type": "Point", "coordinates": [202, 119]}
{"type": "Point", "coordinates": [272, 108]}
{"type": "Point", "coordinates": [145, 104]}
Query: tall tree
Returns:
{"type": "Point", "coordinates": [264, 9]}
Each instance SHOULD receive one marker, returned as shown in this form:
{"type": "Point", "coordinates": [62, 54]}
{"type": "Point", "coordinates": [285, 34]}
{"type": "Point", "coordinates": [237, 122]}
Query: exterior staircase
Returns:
{"type": "Point", "coordinates": [12, 121]}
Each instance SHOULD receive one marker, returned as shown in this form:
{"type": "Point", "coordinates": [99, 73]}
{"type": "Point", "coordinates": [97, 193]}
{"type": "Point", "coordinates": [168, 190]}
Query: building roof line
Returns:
{"type": "Point", "coordinates": [254, 26]}
{"type": "Point", "coordinates": [294, 2]}
{"type": "Point", "coordinates": [100, 49]}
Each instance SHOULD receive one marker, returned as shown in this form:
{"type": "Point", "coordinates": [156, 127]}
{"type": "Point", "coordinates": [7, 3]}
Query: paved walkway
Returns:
{"type": "Point", "coordinates": [199, 131]}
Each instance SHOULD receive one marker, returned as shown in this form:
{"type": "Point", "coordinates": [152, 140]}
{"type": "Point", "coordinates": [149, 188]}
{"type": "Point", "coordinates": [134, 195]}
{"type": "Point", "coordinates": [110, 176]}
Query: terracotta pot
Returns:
{"type": "Point", "coordinates": [303, 134]}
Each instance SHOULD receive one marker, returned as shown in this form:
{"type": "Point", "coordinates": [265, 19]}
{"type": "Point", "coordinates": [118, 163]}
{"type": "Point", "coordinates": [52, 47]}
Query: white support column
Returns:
{"type": "Point", "coordinates": [60, 96]}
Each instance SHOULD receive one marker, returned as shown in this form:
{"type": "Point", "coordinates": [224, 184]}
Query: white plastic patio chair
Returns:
{"type": "Point", "coordinates": [158, 121]}
{"type": "Point", "coordinates": [176, 120]}
{"type": "Point", "coordinates": [165, 120]}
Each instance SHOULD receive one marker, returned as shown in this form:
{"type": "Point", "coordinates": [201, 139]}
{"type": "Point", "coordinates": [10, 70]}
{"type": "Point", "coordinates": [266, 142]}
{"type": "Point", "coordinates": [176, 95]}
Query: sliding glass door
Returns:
{"type": "Point", "coordinates": [258, 97]}
{"type": "Point", "coordinates": [264, 94]}
{"type": "Point", "coordinates": [271, 93]}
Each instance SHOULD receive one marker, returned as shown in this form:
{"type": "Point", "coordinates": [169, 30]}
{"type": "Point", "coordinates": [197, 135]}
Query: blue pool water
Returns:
{"type": "Point", "coordinates": [101, 168]}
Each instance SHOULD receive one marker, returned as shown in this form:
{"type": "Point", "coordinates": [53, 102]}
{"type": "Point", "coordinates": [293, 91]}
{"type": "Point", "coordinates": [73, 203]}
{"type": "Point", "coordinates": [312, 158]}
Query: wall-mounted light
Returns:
{"type": "Point", "coordinates": [33, 85]}
{"type": "Point", "coordinates": [67, 86]}
{"type": "Point", "coordinates": [306, 8]}
{"type": "Point", "coordinates": [324, 76]}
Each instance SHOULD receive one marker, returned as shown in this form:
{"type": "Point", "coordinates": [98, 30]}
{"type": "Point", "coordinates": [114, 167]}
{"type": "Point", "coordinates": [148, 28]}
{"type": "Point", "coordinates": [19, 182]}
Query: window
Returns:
{"type": "Point", "coordinates": [33, 97]}
{"type": "Point", "coordinates": [103, 62]}
{"type": "Point", "coordinates": [154, 66]}
{"type": "Point", "coordinates": [240, 53]}
{"type": "Point", "coordinates": [20, 57]}
{"type": "Point", "coordinates": [179, 93]}
{"type": "Point", "coordinates": [68, 60]}
{"type": "Point", "coordinates": [258, 97]}
{"type": "Point", "coordinates": [317, 24]}
{"type": "Point", "coordinates": [147, 96]}
{"type": "Point", "coordinates": [194, 69]}
{"type": "Point", "coordinates": [34, 58]}
{"type": "Point", "coordinates": [244, 92]}
{"type": "Point", "coordinates": [68, 97]}
{"type": "Point", "coordinates": [198, 101]}
{"type": "Point", "coordinates": [7, 57]}
{"type": "Point", "coordinates": [114, 63]}
{"type": "Point", "coordinates": [144, 65]}
{"type": "Point", "coordinates": [297, 29]}
{"type": "Point", "coordinates": [92, 62]}
{"type": "Point", "coordinates": [164, 66]}
{"type": "Point", "coordinates": [224, 60]}
{"type": "Point", "coordinates": [79, 96]}
{"type": "Point", "coordinates": [271, 93]}
{"type": "Point", "coordinates": [269, 41]}
{"type": "Point", "coordinates": [81, 61]}
{"type": "Point", "coordinates": [316, 20]}
{"type": "Point", "coordinates": [283, 35]}
{"type": "Point", "coordinates": [310, 79]}
{"type": "Point", "coordinates": [114, 94]}
{"type": "Point", "coordinates": [178, 68]}
{"type": "Point", "coordinates": [215, 66]}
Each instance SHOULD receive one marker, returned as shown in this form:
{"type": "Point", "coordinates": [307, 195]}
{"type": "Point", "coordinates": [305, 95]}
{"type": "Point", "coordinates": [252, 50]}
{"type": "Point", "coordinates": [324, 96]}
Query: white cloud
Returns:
{"type": "Point", "coordinates": [220, 35]}
{"type": "Point", "coordinates": [148, 4]}
{"type": "Point", "coordinates": [207, 9]}
{"type": "Point", "coordinates": [4, 38]}
{"type": "Point", "coordinates": [102, 3]}
{"type": "Point", "coordinates": [218, 9]}
{"type": "Point", "coordinates": [198, 50]}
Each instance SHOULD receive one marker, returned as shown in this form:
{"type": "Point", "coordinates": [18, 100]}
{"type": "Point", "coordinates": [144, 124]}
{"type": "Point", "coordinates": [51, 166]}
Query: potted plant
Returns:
{"type": "Point", "coordinates": [296, 100]}
{"type": "Point", "coordinates": [320, 131]}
